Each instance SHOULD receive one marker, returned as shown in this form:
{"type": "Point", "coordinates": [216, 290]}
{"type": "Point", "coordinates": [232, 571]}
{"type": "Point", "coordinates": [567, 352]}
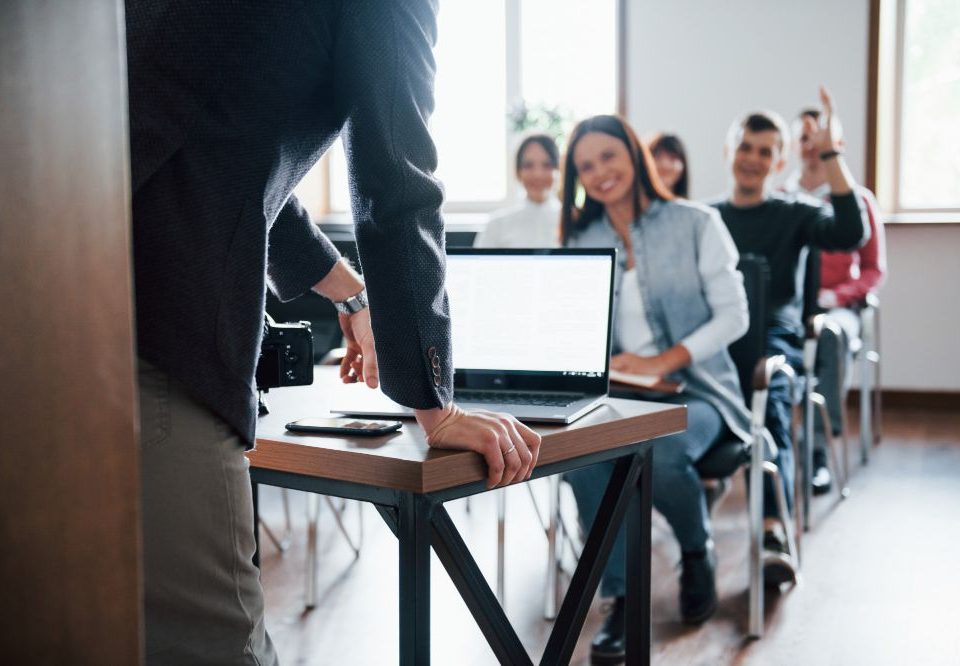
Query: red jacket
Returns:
{"type": "Point", "coordinates": [853, 275]}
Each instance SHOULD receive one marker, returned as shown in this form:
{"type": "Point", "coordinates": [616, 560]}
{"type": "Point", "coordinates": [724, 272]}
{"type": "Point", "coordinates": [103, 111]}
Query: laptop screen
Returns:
{"type": "Point", "coordinates": [521, 315]}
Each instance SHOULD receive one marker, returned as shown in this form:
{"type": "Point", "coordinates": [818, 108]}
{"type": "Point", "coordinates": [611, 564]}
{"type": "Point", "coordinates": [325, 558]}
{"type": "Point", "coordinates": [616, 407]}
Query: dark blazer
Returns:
{"type": "Point", "coordinates": [231, 103]}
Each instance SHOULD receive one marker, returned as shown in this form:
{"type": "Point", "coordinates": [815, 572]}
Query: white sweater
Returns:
{"type": "Point", "coordinates": [528, 224]}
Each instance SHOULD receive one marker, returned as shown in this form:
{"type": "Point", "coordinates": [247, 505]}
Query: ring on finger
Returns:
{"type": "Point", "coordinates": [512, 448]}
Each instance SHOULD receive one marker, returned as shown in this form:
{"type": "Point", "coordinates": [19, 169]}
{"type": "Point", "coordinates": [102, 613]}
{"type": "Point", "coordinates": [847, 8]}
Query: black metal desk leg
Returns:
{"type": "Point", "coordinates": [255, 492]}
{"type": "Point", "coordinates": [414, 536]}
{"type": "Point", "coordinates": [638, 609]}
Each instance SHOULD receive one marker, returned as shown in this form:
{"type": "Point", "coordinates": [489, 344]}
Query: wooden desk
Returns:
{"type": "Point", "coordinates": [408, 483]}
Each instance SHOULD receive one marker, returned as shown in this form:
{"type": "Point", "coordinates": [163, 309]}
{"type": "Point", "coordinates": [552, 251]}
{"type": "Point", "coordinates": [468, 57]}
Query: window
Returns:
{"type": "Point", "coordinates": [491, 56]}
{"type": "Point", "coordinates": [920, 105]}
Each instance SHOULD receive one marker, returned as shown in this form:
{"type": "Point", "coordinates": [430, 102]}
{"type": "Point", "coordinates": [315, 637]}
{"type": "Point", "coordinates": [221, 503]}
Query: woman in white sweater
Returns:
{"type": "Point", "coordinates": [535, 222]}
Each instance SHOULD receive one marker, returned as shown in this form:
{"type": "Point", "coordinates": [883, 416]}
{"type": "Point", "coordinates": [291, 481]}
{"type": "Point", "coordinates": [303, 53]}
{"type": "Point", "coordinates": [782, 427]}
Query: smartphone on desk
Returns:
{"type": "Point", "coordinates": [344, 426]}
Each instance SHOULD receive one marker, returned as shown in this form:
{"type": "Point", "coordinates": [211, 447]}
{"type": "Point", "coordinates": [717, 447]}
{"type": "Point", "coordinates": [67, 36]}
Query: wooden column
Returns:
{"type": "Point", "coordinates": [69, 481]}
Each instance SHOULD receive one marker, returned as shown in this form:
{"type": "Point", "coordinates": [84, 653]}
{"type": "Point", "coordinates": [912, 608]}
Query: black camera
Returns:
{"type": "Point", "coordinates": [286, 355]}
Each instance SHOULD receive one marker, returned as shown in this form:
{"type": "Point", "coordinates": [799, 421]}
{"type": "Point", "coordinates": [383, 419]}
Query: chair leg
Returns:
{"type": "Point", "coordinates": [338, 518]}
{"type": "Point", "coordinates": [501, 543]}
{"type": "Point", "coordinates": [806, 451]}
{"type": "Point", "coordinates": [839, 475]}
{"type": "Point", "coordinates": [865, 418]}
{"type": "Point", "coordinates": [282, 543]}
{"type": "Point", "coordinates": [876, 422]}
{"type": "Point", "coordinates": [770, 469]}
{"type": "Point", "coordinates": [313, 521]}
{"type": "Point", "coordinates": [550, 601]}
{"type": "Point", "coordinates": [755, 513]}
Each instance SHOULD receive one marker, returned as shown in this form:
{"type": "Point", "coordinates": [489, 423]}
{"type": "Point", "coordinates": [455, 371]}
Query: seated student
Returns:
{"type": "Point", "coordinates": [679, 302]}
{"type": "Point", "coordinates": [670, 156]}
{"type": "Point", "coordinates": [536, 221]}
{"type": "Point", "coordinates": [845, 280]}
{"type": "Point", "coordinates": [781, 229]}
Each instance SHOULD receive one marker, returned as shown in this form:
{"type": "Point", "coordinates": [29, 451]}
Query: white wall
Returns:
{"type": "Point", "coordinates": [694, 66]}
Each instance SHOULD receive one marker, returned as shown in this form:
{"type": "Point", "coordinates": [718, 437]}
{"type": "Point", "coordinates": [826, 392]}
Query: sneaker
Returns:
{"type": "Point", "coordinates": [821, 473]}
{"type": "Point", "coordinates": [698, 586]}
{"type": "Point", "coordinates": [609, 644]}
{"type": "Point", "coordinates": [778, 567]}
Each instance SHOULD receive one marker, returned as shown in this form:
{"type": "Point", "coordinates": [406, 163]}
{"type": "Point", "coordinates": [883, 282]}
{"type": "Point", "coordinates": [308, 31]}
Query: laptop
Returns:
{"type": "Point", "coordinates": [531, 334]}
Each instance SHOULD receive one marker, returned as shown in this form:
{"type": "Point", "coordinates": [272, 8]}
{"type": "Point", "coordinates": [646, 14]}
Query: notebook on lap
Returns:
{"type": "Point", "coordinates": [531, 334]}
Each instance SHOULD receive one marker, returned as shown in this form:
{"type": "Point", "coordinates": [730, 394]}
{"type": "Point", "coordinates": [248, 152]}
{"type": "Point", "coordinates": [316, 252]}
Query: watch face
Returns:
{"type": "Point", "coordinates": [353, 304]}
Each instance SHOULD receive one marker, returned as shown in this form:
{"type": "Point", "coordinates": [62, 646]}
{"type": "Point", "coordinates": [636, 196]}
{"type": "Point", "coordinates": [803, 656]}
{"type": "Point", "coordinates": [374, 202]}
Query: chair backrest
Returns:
{"type": "Point", "coordinates": [749, 349]}
{"type": "Point", "coordinates": [811, 285]}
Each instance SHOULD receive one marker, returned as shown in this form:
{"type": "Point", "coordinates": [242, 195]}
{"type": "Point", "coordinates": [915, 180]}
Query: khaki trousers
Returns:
{"type": "Point", "coordinates": [202, 596]}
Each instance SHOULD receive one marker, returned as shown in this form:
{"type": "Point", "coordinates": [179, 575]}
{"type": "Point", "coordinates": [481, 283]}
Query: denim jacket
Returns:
{"type": "Point", "coordinates": [667, 241]}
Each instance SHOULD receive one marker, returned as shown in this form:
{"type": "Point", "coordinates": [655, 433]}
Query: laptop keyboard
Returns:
{"type": "Point", "coordinates": [517, 397]}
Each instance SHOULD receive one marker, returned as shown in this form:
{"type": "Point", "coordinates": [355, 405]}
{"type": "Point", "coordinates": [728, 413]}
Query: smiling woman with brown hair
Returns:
{"type": "Point", "coordinates": [679, 302]}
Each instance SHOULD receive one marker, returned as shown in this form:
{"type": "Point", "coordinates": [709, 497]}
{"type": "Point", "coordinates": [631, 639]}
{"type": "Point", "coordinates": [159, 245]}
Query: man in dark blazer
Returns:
{"type": "Point", "coordinates": [231, 103]}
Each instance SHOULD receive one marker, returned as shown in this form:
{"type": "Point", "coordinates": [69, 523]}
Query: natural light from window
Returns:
{"type": "Point", "coordinates": [562, 56]}
{"type": "Point", "coordinates": [929, 170]}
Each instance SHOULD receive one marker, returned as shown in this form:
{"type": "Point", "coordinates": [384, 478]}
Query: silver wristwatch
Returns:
{"type": "Point", "coordinates": [352, 305]}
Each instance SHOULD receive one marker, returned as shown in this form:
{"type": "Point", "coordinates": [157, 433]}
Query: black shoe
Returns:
{"type": "Point", "coordinates": [609, 645]}
{"type": "Point", "coordinates": [778, 567]}
{"type": "Point", "coordinates": [698, 586]}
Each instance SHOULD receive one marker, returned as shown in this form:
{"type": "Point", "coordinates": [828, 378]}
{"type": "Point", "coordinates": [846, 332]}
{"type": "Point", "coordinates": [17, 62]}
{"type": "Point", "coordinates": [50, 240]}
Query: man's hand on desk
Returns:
{"type": "Point", "coordinates": [359, 364]}
{"type": "Point", "coordinates": [509, 448]}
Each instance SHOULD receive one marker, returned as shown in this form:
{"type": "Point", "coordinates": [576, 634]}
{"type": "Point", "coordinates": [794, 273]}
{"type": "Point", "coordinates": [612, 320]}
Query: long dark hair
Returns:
{"type": "Point", "coordinates": [671, 143]}
{"type": "Point", "coordinates": [574, 218]}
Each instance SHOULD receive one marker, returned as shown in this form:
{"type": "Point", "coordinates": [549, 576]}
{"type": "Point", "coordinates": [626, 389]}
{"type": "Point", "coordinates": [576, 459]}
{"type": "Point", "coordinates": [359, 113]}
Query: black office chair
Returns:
{"type": "Point", "coordinates": [726, 458]}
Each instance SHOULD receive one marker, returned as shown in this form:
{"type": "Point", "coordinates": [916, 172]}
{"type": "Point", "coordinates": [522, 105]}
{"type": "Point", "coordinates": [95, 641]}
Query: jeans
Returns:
{"type": "Point", "coordinates": [779, 417]}
{"type": "Point", "coordinates": [834, 370]}
{"type": "Point", "coordinates": [677, 490]}
{"type": "Point", "coordinates": [203, 603]}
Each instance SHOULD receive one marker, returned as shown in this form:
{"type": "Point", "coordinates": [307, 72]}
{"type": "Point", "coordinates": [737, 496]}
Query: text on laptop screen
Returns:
{"type": "Point", "coordinates": [544, 312]}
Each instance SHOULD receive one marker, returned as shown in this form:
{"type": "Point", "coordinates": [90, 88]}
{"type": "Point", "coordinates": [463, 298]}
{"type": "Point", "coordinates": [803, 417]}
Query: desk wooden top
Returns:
{"type": "Point", "coordinates": [403, 461]}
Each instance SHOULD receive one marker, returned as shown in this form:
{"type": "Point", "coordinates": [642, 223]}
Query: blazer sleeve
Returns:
{"type": "Point", "coordinates": [299, 255]}
{"type": "Point", "coordinates": [383, 81]}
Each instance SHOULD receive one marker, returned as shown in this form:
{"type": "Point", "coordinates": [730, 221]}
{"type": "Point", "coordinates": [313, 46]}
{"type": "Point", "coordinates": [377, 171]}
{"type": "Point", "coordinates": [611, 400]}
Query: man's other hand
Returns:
{"type": "Point", "coordinates": [359, 364]}
{"type": "Point", "coordinates": [510, 449]}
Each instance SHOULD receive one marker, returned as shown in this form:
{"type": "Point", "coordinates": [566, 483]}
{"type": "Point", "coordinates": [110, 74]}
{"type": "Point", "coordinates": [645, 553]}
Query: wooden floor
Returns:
{"type": "Point", "coordinates": [880, 582]}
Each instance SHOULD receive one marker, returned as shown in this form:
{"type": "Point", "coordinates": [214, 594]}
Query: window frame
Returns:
{"type": "Point", "coordinates": [322, 208]}
{"type": "Point", "coordinates": [886, 62]}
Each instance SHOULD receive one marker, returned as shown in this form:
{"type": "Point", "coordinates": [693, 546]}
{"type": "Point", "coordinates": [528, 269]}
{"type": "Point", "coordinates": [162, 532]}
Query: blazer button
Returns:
{"type": "Point", "coordinates": [436, 381]}
{"type": "Point", "coordinates": [432, 352]}
{"type": "Point", "coordinates": [435, 362]}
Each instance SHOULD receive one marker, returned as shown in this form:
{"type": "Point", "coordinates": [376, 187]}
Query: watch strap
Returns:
{"type": "Point", "coordinates": [353, 304]}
